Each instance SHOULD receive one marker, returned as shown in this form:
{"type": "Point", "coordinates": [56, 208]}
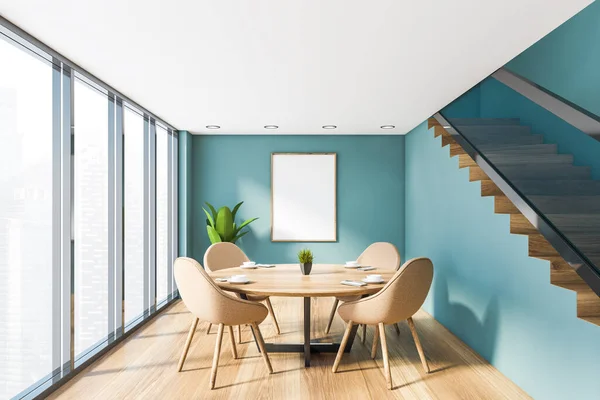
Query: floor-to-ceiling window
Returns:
{"type": "Point", "coordinates": [26, 184]}
{"type": "Point", "coordinates": [163, 258]}
{"type": "Point", "coordinates": [87, 216]}
{"type": "Point", "coordinates": [135, 224]}
{"type": "Point", "coordinates": [90, 215]}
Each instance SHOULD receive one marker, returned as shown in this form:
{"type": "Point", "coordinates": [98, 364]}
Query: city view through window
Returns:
{"type": "Point", "coordinates": [96, 210]}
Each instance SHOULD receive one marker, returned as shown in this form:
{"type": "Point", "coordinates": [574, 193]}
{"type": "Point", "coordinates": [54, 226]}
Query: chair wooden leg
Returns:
{"type": "Point", "coordinates": [413, 330]}
{"type": "Point", "coordinates": [375, 340]}
{"type": "Point", "coordinates": [386, 361]}
{"type": "Point", "coordinates": [208, 329]}
{"type": "Point", "coordinates": [232, 340]}
{"type": "Point", "coordinates": [261, 345]}
{"type": "Point", "coordinates": [340, 353]}
{"type": "Point", "coordinates": [331, 315]}
{"type": "Point", "coordinates": [215, 364]}
{"type": "Point", "coordinates": [397, 329]}
{"type": "Point", "coordinates": [188, 341]}
{"type": "Point", "coordinates": [364, 333]}
{"type": "Point", "coordinates": [239, 334]}
{"type": "Point", "coordinates": [270, 307]}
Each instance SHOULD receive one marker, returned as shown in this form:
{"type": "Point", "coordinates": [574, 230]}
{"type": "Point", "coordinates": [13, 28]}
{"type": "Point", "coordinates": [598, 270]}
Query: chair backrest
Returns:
{"type": "Point", "coordinates": [223, 255]}
{"type": "Point", "coordinates": [198, 291]}
{"type": "Point", "coordinates": [404, 294]}
{"type": "Point", "coordinates": [381, 255]}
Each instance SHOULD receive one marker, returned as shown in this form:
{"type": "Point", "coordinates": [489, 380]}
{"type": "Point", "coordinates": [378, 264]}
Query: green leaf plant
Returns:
{"type": "Point", "coordinates": [305, 256]}
{"type": "Point", "coordinates": [221, 226]}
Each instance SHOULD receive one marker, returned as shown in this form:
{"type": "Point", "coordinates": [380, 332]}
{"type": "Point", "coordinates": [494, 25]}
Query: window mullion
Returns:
{"type": "Point", "coordinates": [119, 220]}
{"type": "Point", "coordinates": [111, 214]}
{"type": "Point", "coordinates": [152, 214]}
{"type": "Point", "coordinates": [67, 227]}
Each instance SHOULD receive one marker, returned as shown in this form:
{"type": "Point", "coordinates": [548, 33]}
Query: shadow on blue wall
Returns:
{"type": "Point", "coordinates": [483, 332]}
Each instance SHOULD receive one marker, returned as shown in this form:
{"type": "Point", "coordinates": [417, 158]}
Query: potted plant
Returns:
{"type": "Point", "coordinates": [221, 226]}
{"type": "Point", "coordinates": [305, 257]}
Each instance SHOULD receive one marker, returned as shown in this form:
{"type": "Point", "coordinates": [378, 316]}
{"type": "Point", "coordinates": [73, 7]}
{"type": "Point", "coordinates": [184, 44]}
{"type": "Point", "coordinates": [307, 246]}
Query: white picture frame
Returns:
{"type": "Point", "coordinates": [303, 197]}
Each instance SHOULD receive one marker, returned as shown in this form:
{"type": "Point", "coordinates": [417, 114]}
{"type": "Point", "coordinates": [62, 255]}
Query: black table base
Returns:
{"type": "Point", "coordinates": [308, 347]}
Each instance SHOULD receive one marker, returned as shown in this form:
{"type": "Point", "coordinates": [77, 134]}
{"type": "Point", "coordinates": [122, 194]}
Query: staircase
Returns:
{"type": "Point", "coordinates": [565, 193]}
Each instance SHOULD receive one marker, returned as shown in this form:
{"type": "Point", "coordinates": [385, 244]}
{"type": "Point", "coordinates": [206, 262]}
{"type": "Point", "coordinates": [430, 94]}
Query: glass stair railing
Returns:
{"type": "Point", "coordinates": [537, 153]}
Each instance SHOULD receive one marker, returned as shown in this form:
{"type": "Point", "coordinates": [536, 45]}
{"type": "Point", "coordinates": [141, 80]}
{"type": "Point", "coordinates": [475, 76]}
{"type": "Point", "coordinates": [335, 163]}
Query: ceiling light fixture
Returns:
{"type": "Point", "coordinates": [388, 126]}
{"type": "Point", "coordinates": [271, 126]}
{"type": "Point", "coordinates": [213, 127]}
{"type": "Point", "coordinates": [329, 126]}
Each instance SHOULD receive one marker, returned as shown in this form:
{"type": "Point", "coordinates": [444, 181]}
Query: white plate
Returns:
{"type": "Point", "coordinates": [352, 266]}
{"type": "Point", "coordinates": [249, 266]}
{"type": "Point", "coordinates": [365, 280]}
{"type": "Point", "coordinates": [238, 282]}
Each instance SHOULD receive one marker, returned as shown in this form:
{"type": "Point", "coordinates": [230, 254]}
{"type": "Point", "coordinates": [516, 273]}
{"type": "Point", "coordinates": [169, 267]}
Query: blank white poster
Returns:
{"type": "Point", "coordinates": [303, 197]}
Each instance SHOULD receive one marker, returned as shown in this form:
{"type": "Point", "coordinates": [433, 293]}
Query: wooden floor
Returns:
{"type": "Point", "coordinates": [144, 366]}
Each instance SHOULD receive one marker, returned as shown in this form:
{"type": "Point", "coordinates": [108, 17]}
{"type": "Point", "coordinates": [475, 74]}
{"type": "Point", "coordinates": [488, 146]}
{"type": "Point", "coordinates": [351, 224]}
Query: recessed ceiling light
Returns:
{"type": "Point", "coordinates": [271, 127]}
{"type": "Point", "coordinates": [388, 126]}
{"type": "Point", "coordinates": [329, 126]}
{"type": "Point", "coordinates": [213, 127]}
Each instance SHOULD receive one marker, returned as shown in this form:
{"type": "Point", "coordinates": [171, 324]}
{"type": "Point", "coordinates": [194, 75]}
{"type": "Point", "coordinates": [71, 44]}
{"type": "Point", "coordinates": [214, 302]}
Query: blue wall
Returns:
{"type": "Point", "coordinates": [370, 191]}
{"type": "Point", "coordinates": [486, 289]}
{"type": "Point", "coordinates": [567, 61]}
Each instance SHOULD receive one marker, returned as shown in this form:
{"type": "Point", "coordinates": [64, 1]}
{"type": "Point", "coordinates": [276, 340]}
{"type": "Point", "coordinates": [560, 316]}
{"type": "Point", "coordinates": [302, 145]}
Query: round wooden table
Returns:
{"type": "Point", "coordinates": [286, 280]}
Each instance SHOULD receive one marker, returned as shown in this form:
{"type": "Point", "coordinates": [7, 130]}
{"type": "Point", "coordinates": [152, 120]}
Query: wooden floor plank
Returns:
{"type": "Point", "coordinates": [145, 365]}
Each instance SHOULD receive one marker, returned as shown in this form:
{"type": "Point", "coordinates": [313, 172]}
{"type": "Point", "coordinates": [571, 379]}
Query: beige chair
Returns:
{"type": "Point", "coordinates": [227, 255]}
{"type": "Point", "coordinates": [399, 300]}
{"type": "Point", "coordinates": [381, 255]}
{"type": "Point", "coordinates": [206, 301]}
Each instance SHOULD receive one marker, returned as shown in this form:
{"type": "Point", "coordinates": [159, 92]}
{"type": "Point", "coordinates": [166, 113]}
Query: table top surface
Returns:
{"type": "Point", "coordinates": [286, 280]}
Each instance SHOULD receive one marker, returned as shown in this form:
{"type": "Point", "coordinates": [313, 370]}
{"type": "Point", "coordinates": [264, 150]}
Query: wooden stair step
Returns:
{"type": "Point", "coordinates": [583, 187]}
{"type": "Point", "coordinates": [438, 130]}
{"type": "Point", "coordinates": [536, 172]}
{"type": "Point", "coordinates": [588, 304]}
{"type": "Point", "coordinates": [519, 149]}
{"type": "Point", "coordinates": [447, 139]}
{"type": "Point", "coordinates": [519, 225]}
{"type": "Point", "coordinates": [539, 247]}
{"type": "Point", "coordinates": [489, 188]}
{"type": "Point", "coordinates": [566, 204]}
{"type": "Point", "coordinates": [431, 122]}
{"type": "Point", "coordinates": [493, 131]}
{"type": "Point", "coordinates": [565, 276]}
{"type": "Point", "coordinates": [465, 160]}
{"type": "Point", "coordinates": [477, 174]}
{"type": "Point", "coordinates": [502, 205]}
{"type": "Point", "coordinates": [483, 121]}
{"type": "Point", "coordinates": [517, 159]}
{"type": "Point", "coordinates": [456, 149]}
{"type": "Point", "coordinates": [576, 223]}
{"type": "Point", "coordinates": [507, 139]}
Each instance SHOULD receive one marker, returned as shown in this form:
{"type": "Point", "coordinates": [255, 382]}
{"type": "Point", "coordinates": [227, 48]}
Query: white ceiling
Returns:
{"type": "Point", "coordinates": [297, 64]}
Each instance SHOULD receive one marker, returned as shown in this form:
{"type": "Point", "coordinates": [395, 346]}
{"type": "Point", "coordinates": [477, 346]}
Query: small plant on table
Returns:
{"type": "Point", "coordinates": [305, 256]}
